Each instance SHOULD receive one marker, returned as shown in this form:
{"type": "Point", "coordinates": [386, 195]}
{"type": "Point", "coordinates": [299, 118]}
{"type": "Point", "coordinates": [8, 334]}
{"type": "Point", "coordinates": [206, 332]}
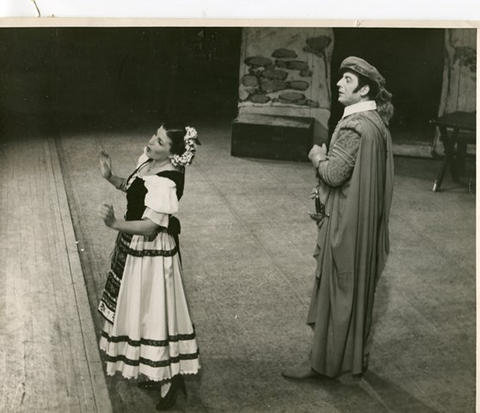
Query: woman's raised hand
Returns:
{"type": "Point", "coordinates": [105, 211]}
{"type": "Point", "coordinates": [105, 165]}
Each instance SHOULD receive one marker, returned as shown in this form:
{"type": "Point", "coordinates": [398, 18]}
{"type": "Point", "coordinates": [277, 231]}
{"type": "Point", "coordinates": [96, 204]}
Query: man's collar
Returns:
{"type": "Point", "coordinates": [359, 107]}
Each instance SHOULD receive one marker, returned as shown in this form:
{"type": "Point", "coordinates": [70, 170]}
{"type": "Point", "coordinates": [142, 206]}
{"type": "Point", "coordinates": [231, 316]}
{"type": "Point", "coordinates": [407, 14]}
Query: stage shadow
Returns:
{"type": "Point", "coordinates": [391, 396]}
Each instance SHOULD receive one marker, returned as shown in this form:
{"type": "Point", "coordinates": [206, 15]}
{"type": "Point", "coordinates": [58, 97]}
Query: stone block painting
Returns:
{"type": "Point", "coordinates": [286, 71]}
{"type": "Point", "coordinates": [280, 80]}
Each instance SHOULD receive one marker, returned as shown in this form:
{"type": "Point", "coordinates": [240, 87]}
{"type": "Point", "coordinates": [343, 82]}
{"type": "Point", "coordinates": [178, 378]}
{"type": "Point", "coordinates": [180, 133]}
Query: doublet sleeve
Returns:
{"type": "Point", "coordinates": [338, 166]}
{"type": "Point", "coordinates": [160, 200]}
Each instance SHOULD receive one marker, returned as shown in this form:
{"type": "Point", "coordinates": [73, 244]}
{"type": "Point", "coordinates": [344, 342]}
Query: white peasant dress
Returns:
{"type": "Point", "coordinates": [148, 329]}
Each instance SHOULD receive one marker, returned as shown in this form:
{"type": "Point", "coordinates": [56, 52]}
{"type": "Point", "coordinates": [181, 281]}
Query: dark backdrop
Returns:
{"type": "Point", "coordinates": [411, 60]}
{"type": "Point", "coordinates": [89, 77]}
{"type": "Point", "coordinates": [92, 77]}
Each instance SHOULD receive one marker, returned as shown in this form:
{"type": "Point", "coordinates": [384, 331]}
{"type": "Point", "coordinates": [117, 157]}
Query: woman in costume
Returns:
{"type": "Point", "coordinates": [148, 330]}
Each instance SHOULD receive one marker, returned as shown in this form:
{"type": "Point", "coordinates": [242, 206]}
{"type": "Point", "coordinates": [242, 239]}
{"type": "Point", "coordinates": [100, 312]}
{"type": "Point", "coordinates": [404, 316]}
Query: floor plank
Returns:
{"type": "Point", "coordinates": [49, 360]}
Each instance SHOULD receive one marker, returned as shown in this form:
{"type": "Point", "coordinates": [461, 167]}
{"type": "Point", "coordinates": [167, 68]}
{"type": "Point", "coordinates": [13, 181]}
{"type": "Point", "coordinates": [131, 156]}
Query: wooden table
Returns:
{"type": "Point", "coordinates": [457, 122]}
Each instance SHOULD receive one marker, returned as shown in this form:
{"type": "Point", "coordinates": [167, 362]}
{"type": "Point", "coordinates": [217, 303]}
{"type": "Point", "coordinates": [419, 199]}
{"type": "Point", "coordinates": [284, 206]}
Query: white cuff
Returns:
{"type": "Point", "coordinates": [158, 218]}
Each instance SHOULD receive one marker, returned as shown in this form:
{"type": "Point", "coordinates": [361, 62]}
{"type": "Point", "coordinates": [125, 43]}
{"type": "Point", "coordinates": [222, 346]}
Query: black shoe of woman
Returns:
{"type": "Point", "coordinates": [170, 398]}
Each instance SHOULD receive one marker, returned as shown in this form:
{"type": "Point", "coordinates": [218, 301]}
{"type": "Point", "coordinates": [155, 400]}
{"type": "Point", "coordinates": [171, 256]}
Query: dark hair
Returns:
{"type": "Point", "coordinates": [379, 94]}
{"type": "Point", "coordinates": [176, 132]}
{"type": "Point", "coordinates": [365, 81]}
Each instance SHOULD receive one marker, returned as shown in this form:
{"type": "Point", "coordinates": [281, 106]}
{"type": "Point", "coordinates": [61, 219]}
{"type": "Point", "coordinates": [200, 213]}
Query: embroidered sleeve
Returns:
{"type": "Point", "coordinates": [160, 200]}
{"type": "Point", "coordinates": [341, 157]}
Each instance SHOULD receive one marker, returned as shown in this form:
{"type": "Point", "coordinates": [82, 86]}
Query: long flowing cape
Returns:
{"type": "Point", "coordinates": [352, 250]}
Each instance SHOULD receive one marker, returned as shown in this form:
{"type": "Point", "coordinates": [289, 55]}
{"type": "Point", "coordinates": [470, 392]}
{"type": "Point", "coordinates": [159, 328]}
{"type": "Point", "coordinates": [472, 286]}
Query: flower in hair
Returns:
{"type": "Point", "coordinates": [190, 147]}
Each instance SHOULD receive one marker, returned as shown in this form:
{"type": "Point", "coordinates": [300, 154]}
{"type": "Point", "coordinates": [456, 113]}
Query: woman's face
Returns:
{"type": "Point", "coordinates": [159, 145]}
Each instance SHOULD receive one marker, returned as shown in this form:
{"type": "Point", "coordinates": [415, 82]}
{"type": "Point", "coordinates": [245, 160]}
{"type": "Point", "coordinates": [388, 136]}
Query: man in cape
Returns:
{"type": "Point", "coordinates": [355, 185]}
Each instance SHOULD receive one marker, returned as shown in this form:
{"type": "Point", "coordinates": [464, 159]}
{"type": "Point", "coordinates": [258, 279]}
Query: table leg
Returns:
{"type": "Point", "coordinates": [450, 148]}
{"type": "Point", "coordinates": [441, 174]}
{"type": "Point", "coordinates": [449, 145]}
{"type": "Point", "coordinates": [446, 160]}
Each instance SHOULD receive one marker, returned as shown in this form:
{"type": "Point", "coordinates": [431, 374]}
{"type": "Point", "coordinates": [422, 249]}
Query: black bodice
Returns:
{"type": "Point", "coordinates": [137, 191]}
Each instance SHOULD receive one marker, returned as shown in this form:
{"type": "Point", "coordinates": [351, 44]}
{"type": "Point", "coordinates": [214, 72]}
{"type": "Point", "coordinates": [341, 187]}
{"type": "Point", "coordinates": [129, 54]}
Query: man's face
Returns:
{"type": "Point", "coordinates": [346, 89]}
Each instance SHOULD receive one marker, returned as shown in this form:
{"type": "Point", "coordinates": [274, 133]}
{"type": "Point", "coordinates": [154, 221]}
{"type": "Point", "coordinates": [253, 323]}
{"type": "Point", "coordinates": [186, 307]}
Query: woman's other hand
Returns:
{"type": "Point", "coordinates": [107, 214]}
{"type": "Point", "coordinates": [105, 165]}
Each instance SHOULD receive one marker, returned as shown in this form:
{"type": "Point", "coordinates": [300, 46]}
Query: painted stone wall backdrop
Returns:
{"type": "Point", "coordinates": [286, 72]}
{"type": "Point", "coordinates": [459, 75]}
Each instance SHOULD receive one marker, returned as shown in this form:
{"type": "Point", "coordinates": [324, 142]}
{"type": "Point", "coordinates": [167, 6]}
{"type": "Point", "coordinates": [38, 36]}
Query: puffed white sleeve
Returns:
{"type": "Point", "coordinates": [161, 199]}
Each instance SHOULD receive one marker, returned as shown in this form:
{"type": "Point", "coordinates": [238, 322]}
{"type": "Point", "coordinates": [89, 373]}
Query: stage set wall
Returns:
{"type": "Point", "coordinates": [290, 73]}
